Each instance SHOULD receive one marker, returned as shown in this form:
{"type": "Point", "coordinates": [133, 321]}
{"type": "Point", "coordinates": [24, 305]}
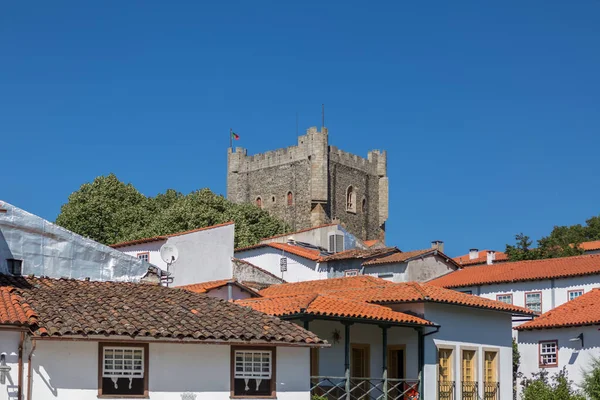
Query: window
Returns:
{"type": "Point", "coordinates": [336, 243]}
{"type": "Point", "coordinates": [533, 301]}
{"type": "Point", "coordinates": [259, 202]}
{"type": "Point", "coordinates": [466, 291]}
{"type": "Point", "coordinates": [468, 366]}
{"type": "Point", "coordinates": [290, 199]}
{"type": "Point", "coordinates": [253, 372]}
{"type": "Point", "coordinates": [364, 205]}
{"type": "Point", "coordinates": [445, 365]}
{"type": "Point", "coordinates": [272, 199]}
{"type": "Point", "coordinates": [490, 368]}
{"type": "Point", "coordinates": [573, 294]}
{"type": "Point", "coordinates": [549, 353]}
{"type": "Point", "coordinates": [351, 272]}
{"type": "Point", "coordinates": [15, 267]}
{"type": "Point", "coordinates": [505, 298]}
{"type": "Point", "coordinates": [350, 199]}
{"type": "Point", "coordinates": [144, 256]}
{"type": "Point", "coordinates": [124, 370]}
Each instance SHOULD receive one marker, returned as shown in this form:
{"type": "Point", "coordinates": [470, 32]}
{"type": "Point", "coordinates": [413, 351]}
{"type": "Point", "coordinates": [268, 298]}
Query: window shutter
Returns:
{"type": "Point", "coordinates": [339, 243]}
{"type": "Point", "coordinates": [332, 243]}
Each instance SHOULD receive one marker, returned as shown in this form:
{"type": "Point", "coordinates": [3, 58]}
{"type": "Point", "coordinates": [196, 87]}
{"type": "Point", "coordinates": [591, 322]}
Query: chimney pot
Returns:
{"type": "Point", "coordinates": [473, 254]}
{"type": "Point", "coordinates": [491, 257]}
{"type": "Point", "coordinates": [438, 244]}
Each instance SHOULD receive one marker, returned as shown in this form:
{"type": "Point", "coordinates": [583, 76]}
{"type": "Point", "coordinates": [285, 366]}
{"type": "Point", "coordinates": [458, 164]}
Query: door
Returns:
{"type": "Point", "coordinates": [445, 375]}
{"type": "Point", "coordinates": [491, 386]}
{"type": "Point", "coordinates": [359, 368]}
{"type": "Point", "coordinates": [396, 365]}
{"type": "Point", "coordinates": [469, 376]}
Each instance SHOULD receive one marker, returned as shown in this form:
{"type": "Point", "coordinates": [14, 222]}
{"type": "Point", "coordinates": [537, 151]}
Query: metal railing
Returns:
{"type": "Point", "coordinates": [491, 390]}
{"type": "Point", "coordinates": [343, 388]}
{"type": "Point", "coordinates": [446, 390]}
{"type": "Point", "coordinates": [469, 390]}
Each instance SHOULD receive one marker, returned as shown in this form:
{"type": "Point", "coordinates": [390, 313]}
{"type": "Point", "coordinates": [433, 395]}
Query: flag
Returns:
{"type": "Point", "coordinates": [235, 136]}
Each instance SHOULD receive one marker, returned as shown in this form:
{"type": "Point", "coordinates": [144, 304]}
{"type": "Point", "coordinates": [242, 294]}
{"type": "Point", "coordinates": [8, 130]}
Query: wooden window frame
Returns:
{"type": "Point", "coordinates": [540, 354]}
{"type": "Point", "coordinates": [506, 294]}
{"type": "Point", "coordinates": [143, 253]}
{"type": "Point", "coordinates": [273, 351]}
{"type": "Point", "coordinates": [541, 300]}
{"type": "Point", "coordinates": [145, 347]}
{"type": "Point", "coordinates": [474, 365]}
{"type": "Point", "coordinates": [573, 291]}
{"type": "Point", "coordinates": [451, 366]}
{"type": "Point", "coordinates": [494, 366]}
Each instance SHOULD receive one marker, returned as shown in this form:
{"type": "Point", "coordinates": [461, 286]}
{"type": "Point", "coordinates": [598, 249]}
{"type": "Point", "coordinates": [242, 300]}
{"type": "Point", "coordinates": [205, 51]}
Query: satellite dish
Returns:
{"type": "Point", "coordinates": [169, 253]}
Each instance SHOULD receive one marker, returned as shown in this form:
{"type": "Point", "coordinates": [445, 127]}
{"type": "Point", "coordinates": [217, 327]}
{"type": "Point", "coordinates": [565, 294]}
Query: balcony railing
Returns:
{"type": "Point", "coordinates": [342, 388]}
{"type": "Point", "coordinates": [491, 391]}
{"type": "Point", "coordinates": [469, 390]}
{"type": "Point", "coordinates": [446, 390]}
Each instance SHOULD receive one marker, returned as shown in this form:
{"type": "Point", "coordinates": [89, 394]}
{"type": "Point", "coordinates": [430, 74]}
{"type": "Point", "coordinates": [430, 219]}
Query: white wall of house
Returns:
{"type": "Point", "coordinates": [464, 328]}
{"type": "Point", "coordinates": [570, 354]}
{"type": "Point", "coordinates": [317, 237]}
{"type": "Point", "coordinates": [9, 344]}
{"type": "Point", "coordinates": [298, 268]}
{"type": "Point", "coordinates": [203, 256]}
{"type": "Point", "coordinates": [174, 369]}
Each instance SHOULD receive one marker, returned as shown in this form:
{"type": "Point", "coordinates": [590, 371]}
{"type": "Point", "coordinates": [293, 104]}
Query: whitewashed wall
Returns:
{"type": "Point", "coordinates": [203, 256]}
{"type": "Point", "coordinates": [469, 329]}
{"type": "Point", "coordinates": [298, 268]}
{"type": "Point", "coordinates": [9, 344]}
{"type": "Point", "coordinates": [420, 270]}
{"type": "Point", "coordinates": [570, 354]}
{"type": "Point", "coordinates": [68, 370]}
{"type": "Point", "coordinates": [318, 237]}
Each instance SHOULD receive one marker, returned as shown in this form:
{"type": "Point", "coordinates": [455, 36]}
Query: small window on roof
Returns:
{"type": "Point", "coordinates": [336, 243]}
{"type": "Point", "coordinates": [15, 267]}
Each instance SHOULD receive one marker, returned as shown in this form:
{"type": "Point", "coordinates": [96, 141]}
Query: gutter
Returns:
{"type": "Point", "coordinates": [20, 376]}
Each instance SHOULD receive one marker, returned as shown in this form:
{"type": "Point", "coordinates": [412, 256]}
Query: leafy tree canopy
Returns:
{"type": "Point", "coordinates": [541, 387]}
{"type": "Point", "coordinates": [110, 211]}
{"type": "Point", "coordinates": [563, 241]}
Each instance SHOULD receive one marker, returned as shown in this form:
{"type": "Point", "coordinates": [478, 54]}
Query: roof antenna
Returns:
{"type": "Point", "coordinates": [322, 116]}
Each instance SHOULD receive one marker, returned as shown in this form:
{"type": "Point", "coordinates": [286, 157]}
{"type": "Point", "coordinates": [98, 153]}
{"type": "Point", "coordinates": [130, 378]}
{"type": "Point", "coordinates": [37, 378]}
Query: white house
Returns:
{"type": "Point", "coordinates": [330, 237]}
{"type": "Point", "coordinates": [31, 245]}
{"type": "Point", "coordinates": [399, 339]}
{"type": "Point", "coordinates": [204, 254]}
{"type": "Point", "coordinates": [566, 337]}
{"type": "Point", "coordinates": [70, 339]}
{"type": "Point", "coordinates": [481, 257]}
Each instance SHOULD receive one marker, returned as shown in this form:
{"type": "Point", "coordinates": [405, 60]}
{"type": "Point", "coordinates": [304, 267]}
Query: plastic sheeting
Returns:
{"type": "Point", "coordinates": [50, 250]}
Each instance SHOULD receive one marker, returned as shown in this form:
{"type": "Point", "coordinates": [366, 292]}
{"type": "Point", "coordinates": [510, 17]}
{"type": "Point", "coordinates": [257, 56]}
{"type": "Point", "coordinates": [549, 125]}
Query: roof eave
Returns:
{"type": "Point", "coordinates": [368, 321]}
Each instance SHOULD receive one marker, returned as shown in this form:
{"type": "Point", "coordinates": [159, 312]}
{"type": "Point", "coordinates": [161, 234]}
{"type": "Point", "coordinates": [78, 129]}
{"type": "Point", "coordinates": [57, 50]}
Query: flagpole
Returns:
{"type": "Point", "coordinates": [230, 138]}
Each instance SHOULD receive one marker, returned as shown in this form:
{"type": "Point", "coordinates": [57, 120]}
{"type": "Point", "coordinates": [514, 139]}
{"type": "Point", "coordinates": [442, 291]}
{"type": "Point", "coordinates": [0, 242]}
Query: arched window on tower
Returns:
{"type": "Point", "coordinates": [364, 205]}
{"type": "Point", "coordinates": [290, 199]}
{"type": "Point", "coordinates": [350, 199]}
{"type": "Point", "coordinates": [259, 202]}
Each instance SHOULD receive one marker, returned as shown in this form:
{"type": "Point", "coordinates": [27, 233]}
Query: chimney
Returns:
{"type": "Point", "coordinates": [473, 254]}
{"type": "Point", "coordinates": [438, 244]}
{"type": "Point", "coordinates": [491, 256]}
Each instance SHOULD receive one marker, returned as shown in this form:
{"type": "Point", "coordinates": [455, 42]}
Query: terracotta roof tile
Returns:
{"type": "Point", "coordinates": [404, 256]}
{"type": "Point", "coordinates": [359, 254]}
{"type": "Point", "coordinates": [584, 310]}
{"type": "Point", "coordinates": [165, 237]}
{"type": "Point", "coordinates": [481, 258]}
{"type": "Point", "coordinates": [521, 271]}
{"type": "Point", "coordinates": [322, 286]}
{"type": "Point", "coordinates": [370, 243]}
{"type": "Point", "coordinates": [330, 306]}
{"type": "Point", "coordinates": [205, 287]}
{"type": "Point", "coordinates": [310, 254]}
{"type": "Point", "coordinates": [13, 309]}
{"type": "Point", "coordinates": [590, 246]}
{"type": "Point", "coordinates": [67, 307]}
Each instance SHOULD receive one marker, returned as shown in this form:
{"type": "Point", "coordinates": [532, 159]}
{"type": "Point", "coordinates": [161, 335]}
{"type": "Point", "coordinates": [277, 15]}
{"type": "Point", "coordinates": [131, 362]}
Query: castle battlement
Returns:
{"type": "Point", "coordinates": [375, 163]}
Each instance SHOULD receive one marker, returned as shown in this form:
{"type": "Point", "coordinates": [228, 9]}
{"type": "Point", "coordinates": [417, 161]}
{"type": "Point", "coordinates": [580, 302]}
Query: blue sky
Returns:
{"type": "Point", "coordinates": [488, 110]}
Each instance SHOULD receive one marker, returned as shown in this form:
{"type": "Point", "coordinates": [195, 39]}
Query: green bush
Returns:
{"type": "Point", "coordinates": [558, 387]}
{"type": "Point", "coordinates": [317, 397]}
{"type": "Point", "coordinates": [591, 380]}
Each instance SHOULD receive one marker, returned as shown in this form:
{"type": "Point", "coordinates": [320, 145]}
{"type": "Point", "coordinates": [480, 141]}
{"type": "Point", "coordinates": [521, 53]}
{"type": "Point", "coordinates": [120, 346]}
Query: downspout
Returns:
{"type": "Point", "coordinates": [421, 358]}
{"type": "Point", "coordinates": [229, 291]}
{"type": "Point", "coordinates": [20, 377]}
{"type": "Point", "coordinates": [30, 369]}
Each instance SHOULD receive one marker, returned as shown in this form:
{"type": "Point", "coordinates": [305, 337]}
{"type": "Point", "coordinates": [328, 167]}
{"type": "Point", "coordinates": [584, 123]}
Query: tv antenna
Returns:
{"type": "Point", "coordinates": [169, 254]}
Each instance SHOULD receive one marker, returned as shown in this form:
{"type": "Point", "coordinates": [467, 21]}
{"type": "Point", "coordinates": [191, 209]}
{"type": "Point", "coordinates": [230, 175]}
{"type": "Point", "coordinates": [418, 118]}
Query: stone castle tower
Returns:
{"type": "Point", "coordinates": [313, 184]}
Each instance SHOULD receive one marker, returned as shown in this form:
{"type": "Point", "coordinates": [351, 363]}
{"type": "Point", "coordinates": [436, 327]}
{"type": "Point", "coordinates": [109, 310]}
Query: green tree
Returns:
{"type": "Point", "coordinates": [109, 211]}
{"type": "Point", "coordinates": [591, 380]}
{"type": "Point", "coordinates": [522, 249]}
{"type": "Point", "coordinates": [516, 363]}
{"type": "Point", "coordinates": [541, 387]}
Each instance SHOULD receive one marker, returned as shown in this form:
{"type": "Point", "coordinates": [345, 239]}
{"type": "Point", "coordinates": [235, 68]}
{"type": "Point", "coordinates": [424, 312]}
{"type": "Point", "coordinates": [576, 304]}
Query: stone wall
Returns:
{"type": "Point", "coordinates": [245, 272]}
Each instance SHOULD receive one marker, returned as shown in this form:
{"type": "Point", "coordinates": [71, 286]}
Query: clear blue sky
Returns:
{"type": "Point", "coordinates": [489, 111]}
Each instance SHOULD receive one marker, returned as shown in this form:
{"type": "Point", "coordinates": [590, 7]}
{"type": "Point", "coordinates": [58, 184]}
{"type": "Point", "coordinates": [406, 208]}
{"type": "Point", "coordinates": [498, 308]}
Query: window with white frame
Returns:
{"type": "Point", "coordinates": [124, 370]}
{"type": "Point", "coordinates": [351, 272]}
{"type": "Point", "coordinates": [144, 256]}
{"type": "Point", "coordinates": [336, 243]}
{"type": "Point", "coordinates": [253, 372]}
{"type": "Point", "coordinates": [548, 353]}
{"type": "Point", "coordinates": [573, 294]}
{"type": "Point", "coordinates": [533, 301]}
{"type": "Point", "coordinates": [505, 298]}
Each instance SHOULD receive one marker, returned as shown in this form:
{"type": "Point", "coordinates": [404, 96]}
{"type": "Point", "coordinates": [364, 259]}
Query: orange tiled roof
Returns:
{"type": "Point", "coordinates": [164, 237]}
{"type": "Point", "coordinates": [405, 256]}
{"type": "Point", "coordinates": [204, 287]}
{"type": "Point", "coordinates": [369, 289]}
{"type": "Point", "coordinates": [370, 243]}
{"type": "Point", "coordinates": [310, 254]}
{"type": "Point", "coordinates": [584, 310]}
{"type": "Point", "coordinates": [359, 254]}
{"type": "Point", "coordinates": [521, 271]}
{"type": "Point", "coordinates": [300, 231]}
{"type": "Point", "coordinates": [329, 306]}
{"type": "Point", "coordinates": [13, 309]}
{"type": "Point", "coordinates": [589, 246]}
{"type": "Point", "coordinates": [322, 285]}
{"type": "Point", "coordinates": [481, 258]}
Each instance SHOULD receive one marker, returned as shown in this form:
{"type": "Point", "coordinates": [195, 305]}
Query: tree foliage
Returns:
{"type": "Point", "coordinates": [110, 211]}
{"type": "Point", "coordinates": [591, 380]}
{"type": "Point", "coordinates": [563, 241]}
{"type": "Point", "coordinates": [541, 387]}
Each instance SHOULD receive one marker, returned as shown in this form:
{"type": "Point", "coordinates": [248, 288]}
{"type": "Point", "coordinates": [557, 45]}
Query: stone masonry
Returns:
{"type": "Point", "coordinates": [317, 177]}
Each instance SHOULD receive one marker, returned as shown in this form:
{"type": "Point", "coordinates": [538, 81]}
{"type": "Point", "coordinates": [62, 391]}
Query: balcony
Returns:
{"type": "Point", "coordinates": [446, 390]}
{"type": "Point", "coordinates": [469, 390]}
{"type": "Point", "coordinates": [341, 388]}
{"type": "Point", "coordinates": [491, 391]}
